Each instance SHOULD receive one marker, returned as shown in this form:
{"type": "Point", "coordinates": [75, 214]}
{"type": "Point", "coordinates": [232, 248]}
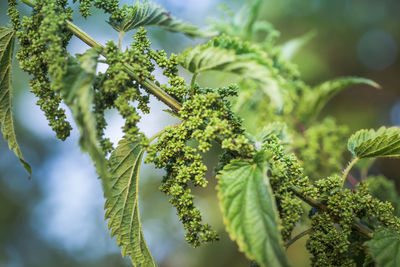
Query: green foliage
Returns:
{"type": "Point", "coordinates": [122, 207]}
{"type": "Point", "coordinates": [384, 190]}
{"type": "Point", "coordinates": [146, 13]}
{"type": "Point", "coordinates": [249, 211]}
{"type": "Point", "coordinates": [385, 246]}
{"type": "Point", "coordinates": [211, 57]}
{"type": "Point", "coordinates": [321, 148]}
{"type": "Point", "coordinates": [315, 99]}
{"type": "Point", "coordinates": [7, 37]}
{"type": "Point", "coordinates": [266, 185]}
{"type": "Point", "coordinates": [384, 142]}
{"type": "Point", "coordinates": [78, 95]}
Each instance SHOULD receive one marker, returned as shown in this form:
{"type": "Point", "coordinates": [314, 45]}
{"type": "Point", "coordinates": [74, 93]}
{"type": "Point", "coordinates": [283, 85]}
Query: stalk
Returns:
{"type": "Point", "coordinates": [146, 83]}
{"type": "Point", "coordinates": [347, 170]}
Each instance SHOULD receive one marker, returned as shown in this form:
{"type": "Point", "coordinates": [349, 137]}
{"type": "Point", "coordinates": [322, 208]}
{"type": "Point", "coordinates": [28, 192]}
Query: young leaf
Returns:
{"type": "Point", "coordinates": [291, 47]}
{"type": "Point", "coordinates": [249, 211]}
{"type": "Point", "coordinates": [315, 99]}
{"type": "Point", "coordinates": [7, 38]}
{"type": "Point", "coordinates": [146, 13]}
{"type": "Point", "coordinates": [78, 95]}
{"type": "Point", "coordinates": [385, 247]}
{"type": "Point", "coordinates": [123, 204]}
{"type": "Point", "coordinates": [203, 58]}
{"type": "Point", "coordinates": [385, 142]}
{"type": "Point", "coordinates": [241, 23]}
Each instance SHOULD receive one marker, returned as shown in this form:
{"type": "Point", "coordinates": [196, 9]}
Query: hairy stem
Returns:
{"type": "Point", "coordinates": [347, 170]}
{"type": "Point", "coordinates": [146, 83]}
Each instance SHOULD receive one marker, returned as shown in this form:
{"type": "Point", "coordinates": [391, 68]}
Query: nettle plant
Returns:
{"type": "Point", "coordinates": [280, 164]}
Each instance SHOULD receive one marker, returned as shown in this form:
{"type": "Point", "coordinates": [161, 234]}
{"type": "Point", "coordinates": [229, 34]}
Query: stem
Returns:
{"type": "Point", "coordinates": [347, 170]}
{"type": "Point", "coordinates": [147, 84]}
{"type": "Point", "coordinates": [297, 237]}
{"type": "Point", "coordinates": [192, 83]}
{"type": "Point", "coordinates": [120, 37]}
{"type": "Point", "coordinates": [28, 2]}
{"type": "Point", "coordinates": [357, 226]}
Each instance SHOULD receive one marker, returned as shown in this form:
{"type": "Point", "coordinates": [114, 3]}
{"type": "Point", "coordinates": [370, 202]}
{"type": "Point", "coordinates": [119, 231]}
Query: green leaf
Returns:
{"type": "Point", "coordinates": [291, 47]}
{"type": "Point", "coordinates": [203, 58]}
{"type": "Point", "coordinates": [123, 204]}
{"type": "Point", "coordinates": [385, 247]}
{"type": "Point", "coordinates": [315, 99]}
{"type": "Point", "coordinates": [7, 39]}
{"type": "Point", "coordinates": [146, 13]}
{"type": "Point", "coordinates": [249, 211]}
{"type": "Point", "coordinates": [385, 143]}
{"type": "Point", "coordinates": [78, 95]}
{"type": "Point", "coordinates": [243, 23]}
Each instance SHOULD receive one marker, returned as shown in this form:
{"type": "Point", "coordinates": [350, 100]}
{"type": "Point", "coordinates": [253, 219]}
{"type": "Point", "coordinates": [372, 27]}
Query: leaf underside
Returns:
{"type": "Point", "coordinates": [78, 95]}
{"type": "Point", "coordinates": [7, 39]}
{"type": "Point", "coordinates": [249, 212]}
{"type": "Point", "coordinates": [384, 142]}
{"type": "Point", "coordinates": [385, 247]}
{"type": "Point", "coordinates": [146, 13]}
{"type": "Point", "coordinates": [122, 207]}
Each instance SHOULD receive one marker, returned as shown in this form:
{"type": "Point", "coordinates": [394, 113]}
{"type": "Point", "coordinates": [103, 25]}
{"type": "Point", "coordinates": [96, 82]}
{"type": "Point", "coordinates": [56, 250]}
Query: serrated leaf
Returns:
{"type": "Point", "coordinates": [315, 99]}
{"type": "Point", "coordinates": [7, 39]}
{"type": "Point", "coordinates": [249, 211]}
{"type": "Point", "coordinates": [122, 207]}
{"type": "Point", "coordinates": [385, 247]}
{"type": "Point", "coordinates": [78, 95]}
{"type": "Point", "coordinates": [291, 47]}
{"type": "Point", "coordinates": [146, 13]}
{"type": "Point", "coordinates": [203, 58]}
{"type": "Point", "coordinates": [385, 142]}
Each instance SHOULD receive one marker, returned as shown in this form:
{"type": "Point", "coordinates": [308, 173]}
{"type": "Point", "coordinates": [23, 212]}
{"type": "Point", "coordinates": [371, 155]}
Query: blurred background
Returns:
{"type": "Point", "coordinates": [56, 218]}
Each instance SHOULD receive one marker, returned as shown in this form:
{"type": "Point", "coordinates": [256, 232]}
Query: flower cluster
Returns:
{"type": "Point", "coordinates": [205, 118]}
{"type": "Point", "coordinates": [43, 39]}
{"type": "Point", "coordinates": [321, 147]}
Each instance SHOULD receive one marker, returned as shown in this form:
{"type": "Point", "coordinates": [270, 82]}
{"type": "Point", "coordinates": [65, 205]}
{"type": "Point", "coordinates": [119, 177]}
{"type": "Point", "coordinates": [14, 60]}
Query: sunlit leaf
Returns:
{"type": "Point", "coordinates": [385, 247]}
{"type": "Point", "coordinates": [315, 99]}
{"type": "Point", "coordinates": [146, 13]}
{"type": "Point", "coordinates": [385, 142]}
{"type": "Point", "coordinates": [7, 38]}
{"type": "Point", "coordinates": [122, 207]}
{"type": "Point", "coordinates": [249, 211]}
{"type": "Point", "coordinates": [78, 95]}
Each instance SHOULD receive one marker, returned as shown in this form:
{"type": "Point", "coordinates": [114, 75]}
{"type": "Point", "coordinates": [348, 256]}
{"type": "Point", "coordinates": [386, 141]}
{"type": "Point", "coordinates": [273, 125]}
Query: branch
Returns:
{"type": "Point", "coordinates": [297, 237]}
{"type": "Point", "coordinates": [148, 84]}
{"type": "Point", "coordinates": [357, 226]}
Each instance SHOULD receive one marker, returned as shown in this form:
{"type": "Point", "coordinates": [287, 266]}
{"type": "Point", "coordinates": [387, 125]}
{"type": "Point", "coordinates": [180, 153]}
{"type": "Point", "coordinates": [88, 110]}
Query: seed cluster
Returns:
{"type": "Point", "coordinates": [43, 39]}
{"type": "Point", "coordinates": [205, 118]}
